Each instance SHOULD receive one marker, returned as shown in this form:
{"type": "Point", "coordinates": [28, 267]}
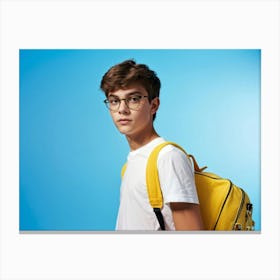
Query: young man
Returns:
{"type": "Point", "coordinates": [132, 97]}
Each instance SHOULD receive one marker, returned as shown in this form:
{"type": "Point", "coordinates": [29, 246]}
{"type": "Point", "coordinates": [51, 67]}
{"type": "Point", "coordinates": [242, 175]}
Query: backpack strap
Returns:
{"type": "Point", "coordinates": [153, 183]}
{"type": "Point", "coordinates": [152, 179]}
{"type": "Point", "coordinates": [123, 169]}
{"type": "Point", "coordinates": [157, 211]}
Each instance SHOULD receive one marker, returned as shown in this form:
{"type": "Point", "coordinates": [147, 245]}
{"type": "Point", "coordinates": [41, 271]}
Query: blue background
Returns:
{"type": "Point", "coordinates": [71, 154]}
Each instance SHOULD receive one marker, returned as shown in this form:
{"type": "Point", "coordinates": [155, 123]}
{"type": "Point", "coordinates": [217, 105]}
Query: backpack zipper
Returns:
{"type": "Point", "coordinates": [229, 191]}
{"type": "Point", "coordinates": [240, 207]}
{"type": "Point", "coordinates": [230, 188]}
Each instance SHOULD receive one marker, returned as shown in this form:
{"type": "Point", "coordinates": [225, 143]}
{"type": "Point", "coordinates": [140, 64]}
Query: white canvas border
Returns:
{"type": "Point", "coordinates": [132, 24]}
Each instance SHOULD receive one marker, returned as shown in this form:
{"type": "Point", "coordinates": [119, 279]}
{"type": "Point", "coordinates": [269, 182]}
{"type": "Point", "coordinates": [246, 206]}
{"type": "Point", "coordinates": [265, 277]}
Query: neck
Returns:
{"type": "Point", "coordinates": [137, 141]}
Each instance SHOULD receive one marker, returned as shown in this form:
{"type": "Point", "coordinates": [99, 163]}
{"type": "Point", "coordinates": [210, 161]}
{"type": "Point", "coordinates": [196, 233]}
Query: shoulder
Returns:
{"type": "Point", "coordinates": [176, 175]}
{"type": "Point", "coordinates": [171, 151]}
{"type": "Point", "coordinates": [173, 155]}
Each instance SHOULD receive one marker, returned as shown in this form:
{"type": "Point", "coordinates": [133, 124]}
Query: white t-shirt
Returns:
{"type": "Point", "coordinates": [176, 180]}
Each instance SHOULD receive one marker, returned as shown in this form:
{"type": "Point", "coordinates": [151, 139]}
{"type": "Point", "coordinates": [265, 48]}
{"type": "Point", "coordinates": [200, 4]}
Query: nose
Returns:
{"type": "Point", "coordinates": [123, 109]}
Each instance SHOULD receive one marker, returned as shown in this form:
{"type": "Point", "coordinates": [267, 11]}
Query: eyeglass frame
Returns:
{"type": "Point", "coordinates": [106, 102]}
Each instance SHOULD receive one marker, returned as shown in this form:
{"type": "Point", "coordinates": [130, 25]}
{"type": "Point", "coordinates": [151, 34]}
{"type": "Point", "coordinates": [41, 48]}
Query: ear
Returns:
{"type": "Point", "coordinates": [155, 105]}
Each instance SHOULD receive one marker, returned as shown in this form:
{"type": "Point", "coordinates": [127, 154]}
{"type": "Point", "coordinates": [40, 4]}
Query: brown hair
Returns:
{"type": "Point", "coordinates": [121, 75]}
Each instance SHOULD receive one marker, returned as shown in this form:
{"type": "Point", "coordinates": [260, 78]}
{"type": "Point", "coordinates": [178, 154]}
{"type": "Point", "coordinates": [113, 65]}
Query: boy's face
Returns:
{"type": "Point", "coordinates": [133, 122]}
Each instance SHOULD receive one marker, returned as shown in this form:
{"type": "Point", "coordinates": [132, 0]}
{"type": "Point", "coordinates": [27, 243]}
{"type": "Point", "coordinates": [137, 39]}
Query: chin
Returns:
{"type": "Point", "coordinates": [123, 131]}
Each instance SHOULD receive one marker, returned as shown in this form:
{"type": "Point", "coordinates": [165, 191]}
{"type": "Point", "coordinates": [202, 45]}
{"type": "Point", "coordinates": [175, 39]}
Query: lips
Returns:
{"type": "Point", "coordinates": [124, 121]}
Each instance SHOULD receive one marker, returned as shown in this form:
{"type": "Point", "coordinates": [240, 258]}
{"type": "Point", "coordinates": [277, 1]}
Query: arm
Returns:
{"type": "Point", "coordinates": [186, 216]}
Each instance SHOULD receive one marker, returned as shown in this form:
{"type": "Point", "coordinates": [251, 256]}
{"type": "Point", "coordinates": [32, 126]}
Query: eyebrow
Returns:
{"type": "Point", "coordinates": [126, 95]}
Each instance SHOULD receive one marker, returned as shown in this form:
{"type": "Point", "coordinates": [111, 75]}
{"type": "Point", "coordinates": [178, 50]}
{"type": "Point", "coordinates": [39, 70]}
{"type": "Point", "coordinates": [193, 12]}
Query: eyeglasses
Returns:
{"type": "Point", "coordinates": [132, 102]}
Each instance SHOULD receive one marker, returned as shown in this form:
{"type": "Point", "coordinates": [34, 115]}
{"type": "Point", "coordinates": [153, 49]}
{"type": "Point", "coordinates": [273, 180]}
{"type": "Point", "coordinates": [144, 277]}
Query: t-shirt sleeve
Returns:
{"type": "Point", "coordinates": [176, 176]}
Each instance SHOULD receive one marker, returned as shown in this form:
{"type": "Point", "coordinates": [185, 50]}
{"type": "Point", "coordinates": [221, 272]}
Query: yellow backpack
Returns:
{"type": "Point", "coordinates": [223, 205]}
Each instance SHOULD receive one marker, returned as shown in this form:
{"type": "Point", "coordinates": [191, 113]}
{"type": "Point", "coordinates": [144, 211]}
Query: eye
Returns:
{"type": "Point", "coordinates": [134, 99]}
{"type": "Point", "coordinates": [114, 101]}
